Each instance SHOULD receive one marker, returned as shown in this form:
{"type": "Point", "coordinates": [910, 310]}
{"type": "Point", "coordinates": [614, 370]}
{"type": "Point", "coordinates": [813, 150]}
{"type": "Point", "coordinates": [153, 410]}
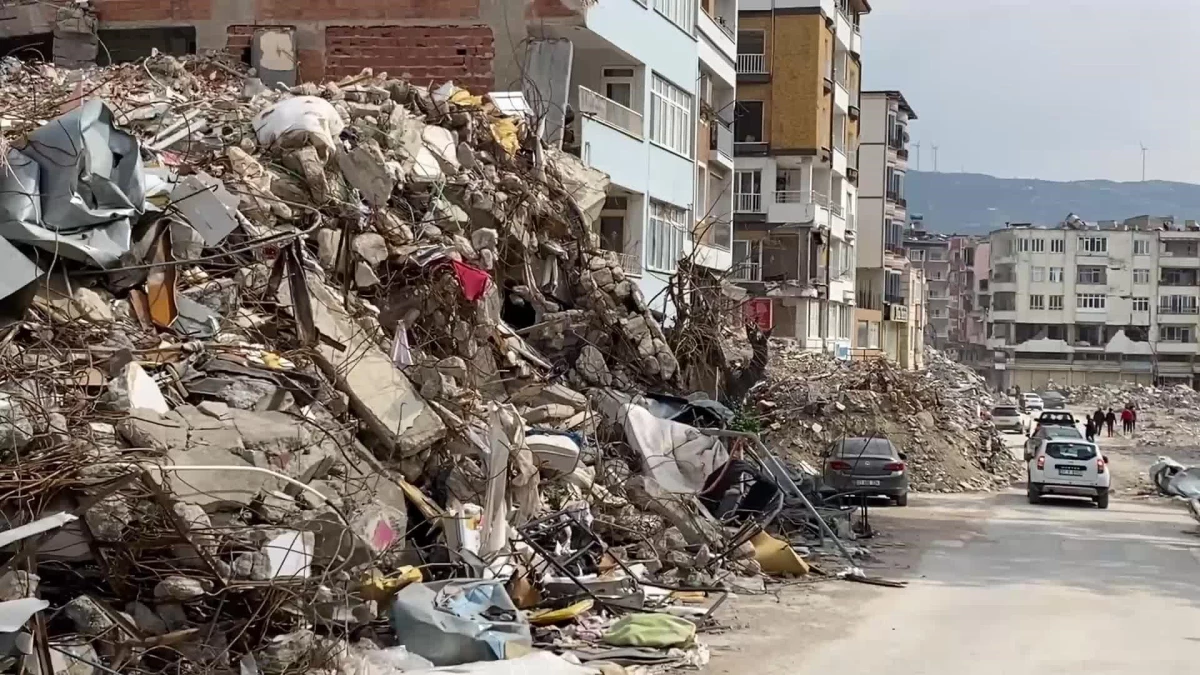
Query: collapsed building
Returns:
{"type": "Point", "coordinates": [336, 377]}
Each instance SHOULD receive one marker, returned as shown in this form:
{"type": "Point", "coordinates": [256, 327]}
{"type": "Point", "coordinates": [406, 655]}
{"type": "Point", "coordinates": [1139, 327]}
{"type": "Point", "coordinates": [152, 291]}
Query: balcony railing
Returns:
{"type": "Point", "coordinates": [836, 209]}
{"type": "Point", "coordinates": [752, 64]}
{"type": "Point", "coordinates": [801, 197]}
{"type": "Point", "coordinates": [747, 202]}
{"type": "Point", "coordinates": [630, 262]}
{"type": "Point", "coordinates": [722, 24]}
{"type": "Point", "coordinates": [902, 154]}
{"type": "Point", "coordinates": [609, 111]}
{"type": "Point", "coordinates": [893, 196]}
{"type": "Point", "coordinates": [747, 271]}
{"type": "Point", "coordinates": [893, 299]}
{"type": "Point", "coordinates": [722, 138]}
{"type": "Point", "coordinates": [1165, 309]}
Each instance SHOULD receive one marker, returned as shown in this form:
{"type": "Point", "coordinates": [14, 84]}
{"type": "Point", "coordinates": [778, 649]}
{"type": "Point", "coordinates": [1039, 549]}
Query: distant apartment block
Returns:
{"type": "Point", "coordinates": [1095, 303]}
{"type": "Point", "coordinates": [795, 188]}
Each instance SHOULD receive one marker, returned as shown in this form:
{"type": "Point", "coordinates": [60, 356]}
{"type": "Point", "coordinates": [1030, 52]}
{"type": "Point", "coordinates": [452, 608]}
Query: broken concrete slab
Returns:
{"type": "Point", "coordinates": [207, 205]}
{"type": "Point", "coordinates": [367, 170]}
{"type": "Point", "coordinates": [371, 247]}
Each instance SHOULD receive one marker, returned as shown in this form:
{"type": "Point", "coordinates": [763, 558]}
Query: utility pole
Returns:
{"type": "Point", "coordinates": [935, 149]}
{"type": "Point", "coordinates": [917, 145]}
{"type": "Point", "coordinates": [1144, 149]}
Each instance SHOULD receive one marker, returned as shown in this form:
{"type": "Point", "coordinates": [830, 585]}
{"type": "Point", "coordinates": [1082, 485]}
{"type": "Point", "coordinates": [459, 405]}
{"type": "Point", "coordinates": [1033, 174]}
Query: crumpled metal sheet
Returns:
{"type": "Point", "coordinates": [1174, 479]}
{"type": "Point", "coordinates": [458, 621]}
{"type": "Point", "coordinates": [75, 189]}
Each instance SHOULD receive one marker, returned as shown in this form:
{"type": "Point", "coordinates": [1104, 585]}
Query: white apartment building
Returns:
{"type": "Point", "coordinates": [1095, 304]}
{"type": "Point", "coordinates": [644, 91]}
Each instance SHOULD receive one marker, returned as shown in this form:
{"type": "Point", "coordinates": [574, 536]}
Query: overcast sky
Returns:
{"type": "Point", "coordinates": [1051, 89]}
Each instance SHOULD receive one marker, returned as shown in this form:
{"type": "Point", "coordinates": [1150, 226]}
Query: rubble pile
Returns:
{"type": "Point", "coordinates": [1118, 395]}
{"type": "Point", "coordinates": [337, 379]}
{"type": "Point", "coordinates": [812, 400]}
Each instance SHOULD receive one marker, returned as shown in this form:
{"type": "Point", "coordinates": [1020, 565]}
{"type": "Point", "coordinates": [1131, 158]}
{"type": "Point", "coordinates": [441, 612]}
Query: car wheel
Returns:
{"type": "Point", "coordinates": [902, 500]}
{"type": "Point", "coordinates": [1033, 495]}
{"type": "Point", "coordinates": [1102, 501]}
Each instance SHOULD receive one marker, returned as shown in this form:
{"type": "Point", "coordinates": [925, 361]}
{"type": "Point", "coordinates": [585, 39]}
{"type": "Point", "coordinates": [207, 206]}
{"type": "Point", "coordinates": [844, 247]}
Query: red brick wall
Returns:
{"type": "Point", "coordinates": [422, 54]}
{"type": "Point", "coordinates": [549, 9]}
{"type": "Point", "coordinates": [154, 10]}
{"type": "Point", "coordinates": [366, 10]}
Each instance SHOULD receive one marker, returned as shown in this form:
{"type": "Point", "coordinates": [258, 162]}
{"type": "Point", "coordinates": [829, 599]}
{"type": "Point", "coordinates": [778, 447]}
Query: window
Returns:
{"type": "Point", "coordinates": [1058, 246]}
{"type": "Point", "coordinates": [1039, 245]}
{"type": "Point", "coordinates": [1174, 333]}
{"type": "Point", "coordinates": [916, 254]}
{"type": "Point", "coordinates": [1093, 244]}
{"type": "Point", "coordinates": [1141, 247]}
{"type": "Point", "coordinates": [682, 13]}
{"type": "Point", "coordinates": [1037, 274]}
{"type": "Point", "coordinates": [862, 334]}
{"type": "Point", "coordinates": [619, 85]}
{"type": "Point", "coordinates": [748, 122]}
{"type": "Point", "coordinates": [937, 275]}
{"type": "Point", "coordinates": [671, 116]}
{"type": "Point", "coordinates": [752, 42]}
{"type": "Point", "coordinates": [1056, 303]}
{"type": "Point", "coordinates": [1141, 304]}
{"type": "Point", "coordinates": [1056, 274]}
{"type": "Point", "coordinates": [1092, 274]}
{"type": "Point", "coordinates": [1141, 276]}
{"type": "Point", "coordinates": [747, 260]}
{"type": "Point", "coordinates": [1090, 301]}
{"type": "Point", "coordinates": [1023, 245]}
{"type": "Point", "coordinates": [940, 312]}
{"type": "Point", "coordinates": [1037, 302]}
{"type": "Point", "coordinates": [664, 243]}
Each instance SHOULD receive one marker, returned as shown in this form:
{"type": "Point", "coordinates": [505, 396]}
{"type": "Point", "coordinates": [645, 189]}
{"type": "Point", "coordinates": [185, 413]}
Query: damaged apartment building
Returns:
{"type": "Point", "coordinates": [640, 89]}
{"type": "Point", "coordinates": [1091, 303]}
{"type": "Point", "coordinates": [796, 184]}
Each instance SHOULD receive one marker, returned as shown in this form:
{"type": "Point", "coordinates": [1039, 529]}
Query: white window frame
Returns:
{"type": "Point", "coordinates": [1094, 275]}
{"type": "Point", "coordinates": [1178, 334]}
{"type": "Point", "coordinates": [751, 255]}
{"type": "Point", "coordinates": [1141, 304]}
{"type": "Point", "coordinates": [1093, 245]}
{"type": "Point", "coordinates": [1037, 274]}
{"type": "Point", "coordinates": [1058, 246]}
{"type": "Point", "coordinates": [1091, 301]}
{"type": "Point", "coordinates": [1056, 274]}
{"type": "Point", "coordinates": [1039, 245]}
{"type": "Point", "coordinates": [631, 80]}
{"type": "Point", "coordinates": [1141, 247]}
{"type": "Point", "coordinates": [1141, 275]}
{"type": "Point", "coordinates": [665, 234]}
{"type": "Point", "coordinates": [1053, 305]}
{"type": "Point", "coordinates": [916, 254]}
{"type": "Point", "coordinates": [671, 124]}
{"type": "Point", "coordinates": [1024, 244]}
{"type": "Point", "coordinates": [1037, 302]}
{"type": "Point", "coordinates": [682, 13]}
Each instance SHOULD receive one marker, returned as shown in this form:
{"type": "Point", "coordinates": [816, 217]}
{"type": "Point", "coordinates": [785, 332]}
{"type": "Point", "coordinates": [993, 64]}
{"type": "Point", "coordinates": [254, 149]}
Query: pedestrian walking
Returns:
{"type": "Point", "coordinates": [1126, 422]}
{"type": "Point", "coordinates": [1098, 418]}
{"type": "Point", "coordinates": [1110, 420]}
{"type": "Point", "coordinates": [1090, 430]}
{"type": "Point", "coordinates": [1132, 420]}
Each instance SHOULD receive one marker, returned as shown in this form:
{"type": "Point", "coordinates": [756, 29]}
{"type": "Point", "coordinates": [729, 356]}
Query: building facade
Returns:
{"type": "Point", "coordinates": [930, 253]}
{"type": "Point", "coordinates": [886, 308]}
{"type": "Point", "coordinates": [1095, 303]}
{"type": "Point", "coordinates": [795, 185]}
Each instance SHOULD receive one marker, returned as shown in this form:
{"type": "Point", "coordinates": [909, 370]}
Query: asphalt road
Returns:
{"type": "Point", "coordinates": [1004, 587]}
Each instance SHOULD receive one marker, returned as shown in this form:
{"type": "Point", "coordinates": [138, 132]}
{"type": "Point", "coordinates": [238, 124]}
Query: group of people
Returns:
{"type": "Point", "coordinates": [1100, 420]}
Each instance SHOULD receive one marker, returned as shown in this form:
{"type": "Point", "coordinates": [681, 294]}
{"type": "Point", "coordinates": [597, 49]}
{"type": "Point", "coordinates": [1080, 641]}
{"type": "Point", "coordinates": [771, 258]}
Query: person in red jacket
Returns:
{"type": "Point", "coordinates": [1126, 421]}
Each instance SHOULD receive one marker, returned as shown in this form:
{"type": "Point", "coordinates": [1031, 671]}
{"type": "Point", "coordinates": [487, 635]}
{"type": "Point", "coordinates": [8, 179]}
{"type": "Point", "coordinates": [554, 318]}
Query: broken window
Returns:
{"type": "Point", "coordinates": [748, 122]}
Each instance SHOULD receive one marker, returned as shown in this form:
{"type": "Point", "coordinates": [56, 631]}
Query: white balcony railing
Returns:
{"type": "Point", "coordinates": [752, 64]}
{"type": "Point", "coordinates": [630, 262]}
{"type": "Point", "coordinates": [610, 112]}
{"type": "Point", "coordinates": [747, 202]}
{"type": "Point", "coordinates": [747, 271]}
{"type": "Point", "coordinates": [836, 209]}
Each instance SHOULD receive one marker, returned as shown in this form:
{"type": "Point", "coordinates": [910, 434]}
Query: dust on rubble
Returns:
{"type": "Point", "coordinates": [933, 415]}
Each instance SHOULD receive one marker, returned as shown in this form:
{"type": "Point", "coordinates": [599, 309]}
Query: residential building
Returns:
{"type": "Point", "coordinates": [930, 253]}
{"type": "Point", "coordinates": [1095, 303]}
{"type": "Point", "coordinates": [883, 274]}
{"type": "Point", "coordinates": [966, 333]}
{"type": "Point", "coordinates": [796, 141]}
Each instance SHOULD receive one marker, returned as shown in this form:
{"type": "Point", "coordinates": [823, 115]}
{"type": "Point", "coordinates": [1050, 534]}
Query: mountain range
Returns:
{"type": "Point", "coordinates": [972, 203]}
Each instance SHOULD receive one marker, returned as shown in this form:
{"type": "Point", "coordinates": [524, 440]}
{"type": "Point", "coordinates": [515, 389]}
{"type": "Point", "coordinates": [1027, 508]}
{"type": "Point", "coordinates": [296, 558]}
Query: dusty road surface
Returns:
{"type": "Point", "coordinates": [995, 586]}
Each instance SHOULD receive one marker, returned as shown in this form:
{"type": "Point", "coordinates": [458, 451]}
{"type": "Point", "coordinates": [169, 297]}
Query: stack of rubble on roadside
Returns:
{"type": "Point", "coordinates": [336, 379]}
{"type": "Point", "coordinates": [1118, 395]}
{"type": "Point", "coordinates": [812, 400]}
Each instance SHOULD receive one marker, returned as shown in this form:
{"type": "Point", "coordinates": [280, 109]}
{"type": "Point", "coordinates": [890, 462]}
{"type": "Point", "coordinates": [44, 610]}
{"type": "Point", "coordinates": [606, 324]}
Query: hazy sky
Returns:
{"type": "Point", "coordinates": [1052, 89]}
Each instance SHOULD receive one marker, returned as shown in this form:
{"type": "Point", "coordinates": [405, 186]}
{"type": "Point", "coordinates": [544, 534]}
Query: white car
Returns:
{"type": "Point", "coordinates": [1008, 418]}
{"type": "Point", "coordinates": [1069, 467]}
{"type": "Point", "coordinates": [1031, 402]}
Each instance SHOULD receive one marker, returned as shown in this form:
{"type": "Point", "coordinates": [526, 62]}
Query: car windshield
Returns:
{"type": "Point", "coordinates": [1005, 412]}
{"type": "Point", "coordinates": [1056, 418]}
{"type": "Point", "coordinates": [1079, 451]}
{"type": "Point", "coordinates": [854, 447]}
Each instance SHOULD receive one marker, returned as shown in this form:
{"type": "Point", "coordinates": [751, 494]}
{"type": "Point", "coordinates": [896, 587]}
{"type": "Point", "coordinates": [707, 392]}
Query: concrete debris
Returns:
{"type": "Point", "coordinates": [315, 331]}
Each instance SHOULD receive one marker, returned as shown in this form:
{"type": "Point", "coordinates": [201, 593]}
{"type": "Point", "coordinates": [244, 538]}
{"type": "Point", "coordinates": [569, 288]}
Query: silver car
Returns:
{"type": "Point", "coordinates": [874, 466]}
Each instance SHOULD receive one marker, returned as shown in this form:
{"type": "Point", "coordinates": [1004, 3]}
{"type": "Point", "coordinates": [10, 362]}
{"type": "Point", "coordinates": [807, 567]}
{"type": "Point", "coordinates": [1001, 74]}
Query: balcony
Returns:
{"type": "Point", "coordinates": [746, 271]}
{"type": "Point", "coordinates": [752, 64]}
{"type": "Point", "coordinates": [1178, 310]}
{"type": "Point", "coordinates": [631, 263]}
{"type": "Point", "coordinates": [722, 143]}
{"type": "Point", "coordinates": [748, 202]}
{"type": "Point", "coordinates": [610, 112]}
{"type": "Point", "coordinates": [891, 299]}
{"type": "Point", "coordinates": [902, 153]}
{"type": "Point", "coordinates": [893, 196]}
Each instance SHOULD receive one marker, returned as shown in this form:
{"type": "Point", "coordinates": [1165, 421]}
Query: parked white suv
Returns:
{"type": "Point", "coordinates": [1031, 402]}
{"type": "Point", "coordinates": [1068, 467]}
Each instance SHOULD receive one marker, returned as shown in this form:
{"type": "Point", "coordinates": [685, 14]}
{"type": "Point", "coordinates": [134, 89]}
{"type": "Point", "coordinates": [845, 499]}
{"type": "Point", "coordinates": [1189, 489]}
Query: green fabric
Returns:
{"type": "Point", "coordinates": [650, 630]}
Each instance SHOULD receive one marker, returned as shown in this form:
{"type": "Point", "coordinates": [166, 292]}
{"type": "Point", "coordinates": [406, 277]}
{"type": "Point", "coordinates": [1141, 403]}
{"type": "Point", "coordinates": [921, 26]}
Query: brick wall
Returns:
{"type": "Point", "coordinates": [154, 10]}
{"type": "Point", "coordinates": [367, 10]}
{"type": "Point", "coordinates": [422, 54]}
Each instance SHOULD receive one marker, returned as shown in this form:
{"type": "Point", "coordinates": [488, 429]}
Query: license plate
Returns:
{"type": "Point", "coordinates": [1071, 470]}
{"type": "Point", "coordinates": [867, 483]}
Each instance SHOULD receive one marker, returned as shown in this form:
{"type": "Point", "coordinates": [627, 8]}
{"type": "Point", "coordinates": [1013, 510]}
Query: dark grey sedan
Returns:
{"type": "Point", "coordinates": [874, 466]}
